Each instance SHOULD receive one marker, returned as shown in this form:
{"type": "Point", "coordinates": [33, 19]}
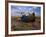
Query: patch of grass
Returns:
{"type": "Point", "coordinates": [23, 26]}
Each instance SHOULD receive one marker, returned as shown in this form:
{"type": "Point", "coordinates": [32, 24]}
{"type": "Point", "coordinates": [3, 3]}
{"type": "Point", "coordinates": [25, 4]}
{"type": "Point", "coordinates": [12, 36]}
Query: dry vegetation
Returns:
{"type": "Point", "coordinates": [17, 25]}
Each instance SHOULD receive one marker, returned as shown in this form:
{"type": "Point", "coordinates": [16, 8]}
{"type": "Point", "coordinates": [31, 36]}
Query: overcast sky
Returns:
{"type": "Point", "coordinates": [16, 10]}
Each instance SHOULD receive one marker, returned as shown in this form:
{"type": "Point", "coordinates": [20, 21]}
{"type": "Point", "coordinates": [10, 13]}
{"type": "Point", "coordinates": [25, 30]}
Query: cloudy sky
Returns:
{"type": "Point", "coordinates": [16, 10]}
